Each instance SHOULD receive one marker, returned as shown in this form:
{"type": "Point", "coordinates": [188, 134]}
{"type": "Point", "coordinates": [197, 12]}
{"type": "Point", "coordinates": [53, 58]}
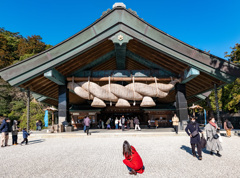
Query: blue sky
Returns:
{"type": "Point", "coordinates": [209, 25]}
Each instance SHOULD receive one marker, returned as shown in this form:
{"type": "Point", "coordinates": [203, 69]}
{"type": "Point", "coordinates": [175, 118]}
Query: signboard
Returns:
{"type": "Point", "coordinates": [91, 113]}
{"type": "Point", "coordinates": [75, 114]}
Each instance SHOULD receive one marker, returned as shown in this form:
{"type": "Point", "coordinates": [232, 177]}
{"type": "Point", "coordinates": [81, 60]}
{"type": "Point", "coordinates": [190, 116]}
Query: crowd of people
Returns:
{"type": "Point", "coordinates": [120, 123]}
{"type": "Point", "coordinates": [213, 136]}
{"type": "Point", "coordinates": [212, 143]}
{"type": "Point", "coordinates": [5, 128]}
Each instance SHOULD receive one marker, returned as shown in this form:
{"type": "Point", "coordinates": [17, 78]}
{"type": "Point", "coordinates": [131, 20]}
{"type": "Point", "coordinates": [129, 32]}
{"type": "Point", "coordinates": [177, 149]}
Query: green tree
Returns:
{"type": "Point", "coordinates": [36, 113]}
{"type": "Point", "coordinates": [229, 95]}
{"type": "Point", "coordinates": [234, 56]}
{"type": "Point", "coordinates": [15, 48]}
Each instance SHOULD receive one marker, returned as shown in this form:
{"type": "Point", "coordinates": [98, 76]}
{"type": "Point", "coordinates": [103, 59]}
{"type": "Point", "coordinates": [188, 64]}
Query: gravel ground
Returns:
{"type": "Point", "coordinates": [163, 156]}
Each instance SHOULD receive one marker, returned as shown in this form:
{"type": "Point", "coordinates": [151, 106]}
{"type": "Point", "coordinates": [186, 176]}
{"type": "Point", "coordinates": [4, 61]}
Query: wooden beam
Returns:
{"type": "Point", "coordinates": [115, 79]}
{"type": "Point", "coordinates": [40, 95]}
{"type": "Point", "coordinates": [96, 62]}
{"type": "Point", "coordinates": [120, 55]}
{"type": "Point", "coordinates": [190, 74]}
{"type": "Point", "coordinates": [200, 96]}
{"type": "Point", "coordinates": [55, 76]}
{"type": "Point", "coordinates": [148, 63]}
{"type": "Point", "coordinates": [124, 73]}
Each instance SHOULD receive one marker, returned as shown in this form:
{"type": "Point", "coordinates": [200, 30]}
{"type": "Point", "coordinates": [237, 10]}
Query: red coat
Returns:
{"type": "Point", "coordinates": [134, 161]}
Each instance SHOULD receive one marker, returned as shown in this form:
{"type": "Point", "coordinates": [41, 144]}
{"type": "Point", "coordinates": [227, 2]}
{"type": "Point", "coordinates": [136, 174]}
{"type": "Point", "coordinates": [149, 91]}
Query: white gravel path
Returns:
{"type": "Point", "coordinates": [163, 156]}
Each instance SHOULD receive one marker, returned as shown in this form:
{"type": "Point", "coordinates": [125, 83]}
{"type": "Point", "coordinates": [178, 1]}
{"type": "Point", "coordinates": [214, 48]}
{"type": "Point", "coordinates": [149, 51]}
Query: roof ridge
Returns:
{"type": "Point", "coordinates": [106, 13]}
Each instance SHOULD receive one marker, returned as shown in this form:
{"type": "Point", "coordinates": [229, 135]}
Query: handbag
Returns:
{"type": "Point", "coordinates": [203, 142]}
{"type": "Point", "coordinates": [195, 133]}
{"type": "Point", "coordinates": [216, 136]}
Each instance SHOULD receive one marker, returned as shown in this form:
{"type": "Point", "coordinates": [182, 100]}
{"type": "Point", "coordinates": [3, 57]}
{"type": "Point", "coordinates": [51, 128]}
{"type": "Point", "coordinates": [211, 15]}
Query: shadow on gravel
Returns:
{"type": "Point", "coordinates": [36, 141]}
{"type": "Point", "coordinates": [205, 151]}
{"type": "Point", "coordinates": [93, 131]}
{"type": "Point", "coordinates": [187, 149]}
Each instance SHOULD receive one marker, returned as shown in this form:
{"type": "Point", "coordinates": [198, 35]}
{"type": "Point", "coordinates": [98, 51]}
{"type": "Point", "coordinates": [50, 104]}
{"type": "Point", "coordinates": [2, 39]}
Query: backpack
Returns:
{"type": "Point", "coordinates": [229, 125]}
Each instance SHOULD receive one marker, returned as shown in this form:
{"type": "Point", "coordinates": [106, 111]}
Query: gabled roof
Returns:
{"type": "Point", "coordinates": [83, 49]}
{"type": "Point", "coordinates": [117, 20]}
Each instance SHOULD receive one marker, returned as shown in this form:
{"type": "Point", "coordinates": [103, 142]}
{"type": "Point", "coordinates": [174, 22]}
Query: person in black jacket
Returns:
{"type": "Point", "coordinates": [193, 130]}
{"type": "Point", "coordinates": [4, 128]}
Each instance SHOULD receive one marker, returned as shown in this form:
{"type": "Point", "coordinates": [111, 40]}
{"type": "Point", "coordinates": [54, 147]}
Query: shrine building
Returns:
{"type": "Point", "coordinates": [120, 65]}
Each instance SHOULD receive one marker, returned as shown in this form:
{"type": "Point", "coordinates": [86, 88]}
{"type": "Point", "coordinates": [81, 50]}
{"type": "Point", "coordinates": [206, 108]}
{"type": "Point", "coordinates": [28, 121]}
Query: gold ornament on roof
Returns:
{"type": "Point", "coordinates": [120, 37]}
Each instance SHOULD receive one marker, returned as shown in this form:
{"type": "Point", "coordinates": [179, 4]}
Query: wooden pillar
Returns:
{"type": "Point", "coordinates": [217, 106]}
{"type": "Point", "coordinates": [52, 118]}
{"type": "Point", "coordinates": [223, 104]}
{"type": "Point", "coordinates": [63, 102]}
{"type": "Point", "coordinates": [181, 104]}
{"type": "Point", "coordinates": [28, 109]}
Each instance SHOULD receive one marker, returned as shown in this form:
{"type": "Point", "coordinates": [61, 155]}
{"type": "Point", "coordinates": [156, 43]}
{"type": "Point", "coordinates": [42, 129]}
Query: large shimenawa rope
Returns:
{"type": "Point", "coordinates": [134, 102]}
{"type": "Point", "coordinates": [156, 86]}
{"type": "Point", "coordinates": [109, 88]}
{"type": "Point", "coordinates": [88, 88]}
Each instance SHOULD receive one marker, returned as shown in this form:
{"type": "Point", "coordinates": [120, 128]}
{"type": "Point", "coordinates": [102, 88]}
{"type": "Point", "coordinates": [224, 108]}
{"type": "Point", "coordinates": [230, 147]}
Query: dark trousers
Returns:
{"type": "Point", "coordinates": [123, 126]}
{"type": "Point", "coordinates": [87, 129]}
{"type": "Point", "coordinates": [199, 149]}
{"type": "Point", "coordinates": [14, 139]}
{"type": "Point", "coordinates": [130, 169]}
{"type": "Point", "coordinates": [176, 128]}
{"type": "Point", "coordinates": [25, 140]}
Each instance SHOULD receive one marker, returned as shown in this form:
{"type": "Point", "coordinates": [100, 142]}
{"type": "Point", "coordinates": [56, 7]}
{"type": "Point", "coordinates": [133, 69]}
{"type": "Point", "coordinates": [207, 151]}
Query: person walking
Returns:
{"type": "Point", "coordinates": [228, 127]}
{"type": "Point", "coordinates": [123, 122]}
{"type": "Point", "coordinates": [132, 160]}
{"type": "Point", "coordinates": [116, 123]}
{"type": "Point", "coordinates": [131, 124]}
{"type": "Point", "coordinates": [120, 124]}
{"type": "Point", "coordinates": [84, 126]}
{"type": "Point", "coordinates": [100, 124]}
{"type": "Point", "coordinates": [37, 125]}
{"type": "Point", "coordinates": [175, 121]}
{"type": "Point", "coordinates": [103, 125]}
{"type": "Point", "coordinates": [193, 131]}
{"type": "Point", "coordinates": [128, 123]}
{"type": "Point", "coordinates": [136, 122]}
{"type": "Point", "coordinates": [25, 136]}
{"type": "Point", "coordinates": [14, 133]}
{"type": "Point", "coordinates": [213, 142]}
{"type": "Point", "coordinates": [87, 123]}
{"type": "Point", "coordinates": [149, 123]}
{"type": "Point", "coordinates": [156, 123]}
{"type": "Point", "coordinates": [4, 129]}
{"type": "Point", "coordinates": [108, 123]}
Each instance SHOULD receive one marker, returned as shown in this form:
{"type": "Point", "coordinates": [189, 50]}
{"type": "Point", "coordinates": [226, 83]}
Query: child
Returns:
{"type": "Point", "coordinates": [25, 136]}
{"type": "Point", "coordinates": [132, 159]}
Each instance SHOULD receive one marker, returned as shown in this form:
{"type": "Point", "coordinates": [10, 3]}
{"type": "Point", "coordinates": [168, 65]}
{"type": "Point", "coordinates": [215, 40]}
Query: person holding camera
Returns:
{"type": "Point", "coordinates": [213, 142]}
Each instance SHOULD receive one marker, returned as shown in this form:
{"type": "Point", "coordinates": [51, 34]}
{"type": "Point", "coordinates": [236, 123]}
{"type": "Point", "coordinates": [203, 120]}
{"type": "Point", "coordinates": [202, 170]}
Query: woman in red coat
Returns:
{"type": "Point", "coordinates": [132, 159]}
